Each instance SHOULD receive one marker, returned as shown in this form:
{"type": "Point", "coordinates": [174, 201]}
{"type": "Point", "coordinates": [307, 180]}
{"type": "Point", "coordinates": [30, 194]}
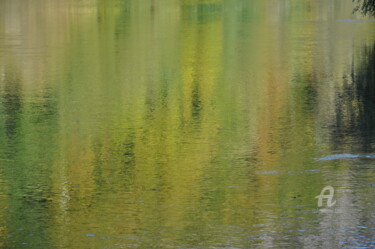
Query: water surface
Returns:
{"type": "Point", "coordinates": [185, 124]}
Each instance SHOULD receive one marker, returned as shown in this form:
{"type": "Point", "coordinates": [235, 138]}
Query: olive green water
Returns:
{"type": "Point", "coordinates": [186, 124]}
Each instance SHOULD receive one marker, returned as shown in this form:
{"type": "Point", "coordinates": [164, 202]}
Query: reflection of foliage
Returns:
{"type": "Point", "coordinates": [355, 113]}
{"type": "Point", "coordinates": [365, 82]}
{"type": "Point", "coordinates": [367, 7]}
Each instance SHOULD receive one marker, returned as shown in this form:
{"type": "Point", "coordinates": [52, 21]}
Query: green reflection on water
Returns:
{"type": "Point", "coordinates": [185, 124]}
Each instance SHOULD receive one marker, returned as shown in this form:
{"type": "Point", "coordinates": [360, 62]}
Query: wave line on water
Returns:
{"type": "Point", "coordinates": [342, 156]}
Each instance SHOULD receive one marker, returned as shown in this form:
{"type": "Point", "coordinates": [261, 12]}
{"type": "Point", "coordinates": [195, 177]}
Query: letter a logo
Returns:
{"type": "Point", "coordinates": [324, 196]}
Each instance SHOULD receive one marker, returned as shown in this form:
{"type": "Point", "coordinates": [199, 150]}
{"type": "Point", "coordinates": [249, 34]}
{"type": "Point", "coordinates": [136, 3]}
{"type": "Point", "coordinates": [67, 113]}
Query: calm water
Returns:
{"type": "Point", "coordinates": [186, 124]}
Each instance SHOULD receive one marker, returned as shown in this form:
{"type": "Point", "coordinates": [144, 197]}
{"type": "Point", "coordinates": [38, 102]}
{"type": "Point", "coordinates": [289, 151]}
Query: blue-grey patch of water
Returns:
{"type": "Point", "coordinates": [342, 156]}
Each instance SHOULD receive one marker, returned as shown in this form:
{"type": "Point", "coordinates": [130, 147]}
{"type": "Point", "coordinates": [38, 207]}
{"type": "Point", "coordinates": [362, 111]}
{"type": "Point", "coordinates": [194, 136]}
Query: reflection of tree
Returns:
{"type": "Point", "coordinates": [355, 106]}
{"type": "Point", "coordinates": [365, 82]}
{"type": "Point", "coordinates": [27, 163]}
{"type": "Point", "coordinates": [12, 102]}
{"type": "Point", "coordinates": [367, 7]}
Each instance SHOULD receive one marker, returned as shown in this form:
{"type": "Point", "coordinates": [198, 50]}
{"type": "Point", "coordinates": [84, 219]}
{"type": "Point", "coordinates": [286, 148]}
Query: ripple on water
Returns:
{"type": "Point", "coordinates": [342, 156]}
